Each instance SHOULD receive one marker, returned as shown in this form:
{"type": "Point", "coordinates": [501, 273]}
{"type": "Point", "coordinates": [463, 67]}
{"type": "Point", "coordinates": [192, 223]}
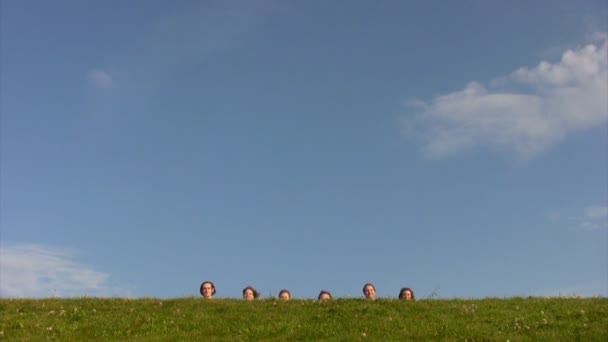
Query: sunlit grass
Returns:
{"type": "Point", "coordinates": [190, 319]}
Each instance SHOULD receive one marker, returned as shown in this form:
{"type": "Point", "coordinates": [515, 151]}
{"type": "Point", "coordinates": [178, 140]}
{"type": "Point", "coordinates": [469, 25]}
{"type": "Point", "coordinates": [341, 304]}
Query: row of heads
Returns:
{"type": "Point", "coordinates": [249, 293]}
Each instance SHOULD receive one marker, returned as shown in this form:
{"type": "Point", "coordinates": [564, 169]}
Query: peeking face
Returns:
{"type": "Point", "coordinates": [248, 294]}
{"type": "Point", "coordinates": [284, 295]}
{"type": "Point", "coordinates": [207, 289]}
{"type": "Point", "coordinates": [406, 294]}
{"type": "Point", "coordinates": [369, 291]}
{"type": "Point", "coordinates": [324, 297]}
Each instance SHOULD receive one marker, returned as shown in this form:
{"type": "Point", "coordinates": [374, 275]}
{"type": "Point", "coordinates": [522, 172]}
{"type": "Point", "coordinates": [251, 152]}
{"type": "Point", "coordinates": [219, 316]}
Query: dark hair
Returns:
{"type": "Point", "coordinates": [255, 293]}
{"type": "Point", "coordinates": [285, 291]}
{"type": "Point", "coordinates": [324, 292]}
{"type": "Point", "coordinates": [368, 284]}
{"type": "Point", "coordinates": [402, 293]}
{"type": "Point", "coordinates": [207, 282]}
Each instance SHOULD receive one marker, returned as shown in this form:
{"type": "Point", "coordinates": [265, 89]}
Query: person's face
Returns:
{"type": "Point", "coordinates": [284, 296]}
{"type": "Point", "coordinates": [325, 297]}
{"type": "Point", "coordinates": [370, 292]}
{"type": "Point", "coordinates": [248, 295]}
{"type": "Point", "coordinates": [207, 290]}
{"type": "Point", "coordinates": [407, 295]}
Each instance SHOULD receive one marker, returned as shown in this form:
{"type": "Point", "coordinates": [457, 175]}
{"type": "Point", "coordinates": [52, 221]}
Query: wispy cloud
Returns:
{"type": "Point", "coordinates": [41, 271]}
{"type": "Point", "coordinates": [191, 35]}
{"type": "Point", "coordinates": [594, 218]}
{"type": "Point", "coordinates": [596, 212]}
{"type": "Point", "coordinates": [553, 215]}
{"type": "Point", "coordinates": [589, 218]}
{"type": "Point", "coordinates": [99, 79]}
{"type": "Point", "coordinates": [526, 112]}
{"type": "Point", "coordinates": [183, 37]}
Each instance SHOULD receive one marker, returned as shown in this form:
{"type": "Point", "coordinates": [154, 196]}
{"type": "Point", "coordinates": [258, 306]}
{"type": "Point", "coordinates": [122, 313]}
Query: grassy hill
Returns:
{"type": "Point", "coordinates": [196, 319]}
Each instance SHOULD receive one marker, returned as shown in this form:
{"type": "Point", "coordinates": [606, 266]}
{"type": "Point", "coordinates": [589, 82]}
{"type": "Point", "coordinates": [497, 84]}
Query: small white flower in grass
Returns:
{"type": "Point", "coordinates": [49, 328]}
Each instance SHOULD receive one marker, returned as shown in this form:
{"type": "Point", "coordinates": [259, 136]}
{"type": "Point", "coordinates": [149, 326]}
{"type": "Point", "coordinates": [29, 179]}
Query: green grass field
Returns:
{"type": "Point", "coordinates": [196, 319]}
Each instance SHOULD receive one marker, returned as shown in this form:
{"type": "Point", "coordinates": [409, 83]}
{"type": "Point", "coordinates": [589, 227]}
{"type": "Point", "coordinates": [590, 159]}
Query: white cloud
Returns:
{"type": "Point", "coordinates": [100, 79]}
{"type": "Point", "coordinates": [39, 271]}
{"type": "Point", "coordinates": [526, 112]}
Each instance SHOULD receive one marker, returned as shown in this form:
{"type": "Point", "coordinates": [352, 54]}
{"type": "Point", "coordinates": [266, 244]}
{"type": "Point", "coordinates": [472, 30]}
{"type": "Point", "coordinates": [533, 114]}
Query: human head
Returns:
{"type": "Point", "coordinates": [249, 293]}
{"type": "Point", "coordinates": [284, 295]}
{"type": "Point", "coordinates": [207, 289]}
{"type": "Point", "coordinates": [406, 294]}
{"type": "Point", "coordinates": [369, 291]}
{"type": "Point", "coordinates": [324, 296]}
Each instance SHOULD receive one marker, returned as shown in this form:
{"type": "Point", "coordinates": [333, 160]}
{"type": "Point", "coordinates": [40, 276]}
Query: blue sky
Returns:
{"type": "Point", "coordinates": [457, 148]}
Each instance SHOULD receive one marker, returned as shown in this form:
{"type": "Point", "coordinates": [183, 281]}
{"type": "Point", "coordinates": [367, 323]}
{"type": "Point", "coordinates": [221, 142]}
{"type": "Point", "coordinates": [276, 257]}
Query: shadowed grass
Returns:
{"type": "Point", "coordinates": [188, 319]}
